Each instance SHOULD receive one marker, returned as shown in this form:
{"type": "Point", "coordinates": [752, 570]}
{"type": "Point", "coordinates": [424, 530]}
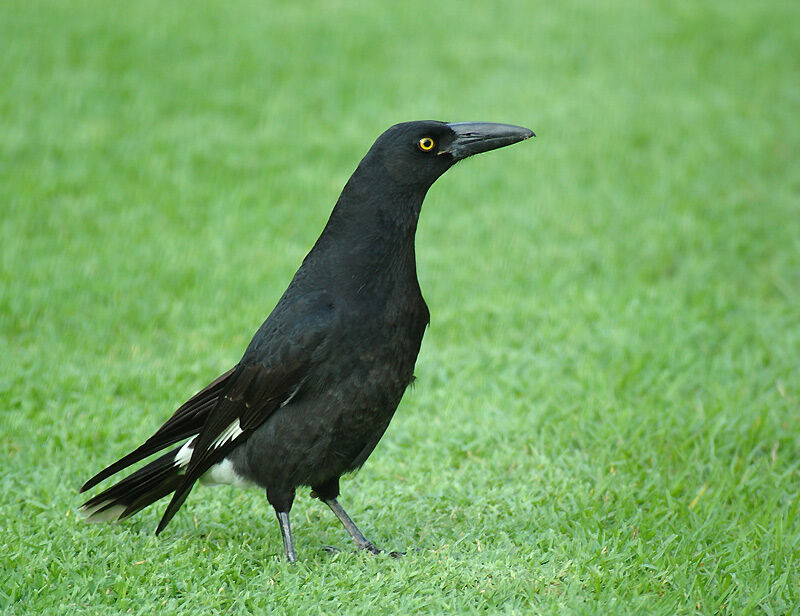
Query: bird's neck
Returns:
{"type": "Point", "coordinates": [374, 203]}
{"type": "Point", "coordinates": [372, 227]}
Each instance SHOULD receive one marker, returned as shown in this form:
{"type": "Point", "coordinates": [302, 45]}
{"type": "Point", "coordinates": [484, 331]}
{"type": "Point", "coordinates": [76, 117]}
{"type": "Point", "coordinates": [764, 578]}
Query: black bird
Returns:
{"type": "Point", "coordinates": [323, 375]}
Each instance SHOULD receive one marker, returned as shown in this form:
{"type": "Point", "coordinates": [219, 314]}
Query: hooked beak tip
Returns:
{"type": "Point", "coordinates": [477, 137]}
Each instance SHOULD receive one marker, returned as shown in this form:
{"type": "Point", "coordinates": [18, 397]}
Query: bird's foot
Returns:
{"type": "Point", "coordinates": [370, 547]}
{"type": "Point", "coordinates": [367, 547]}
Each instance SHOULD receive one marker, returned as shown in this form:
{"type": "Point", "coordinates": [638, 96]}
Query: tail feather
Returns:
{"type": "Point", "coordinates": [185, 422]}
{"type": "Point", "coordinates": [140, 489]}
{"type": "Point", "coordinates": [152, 445]}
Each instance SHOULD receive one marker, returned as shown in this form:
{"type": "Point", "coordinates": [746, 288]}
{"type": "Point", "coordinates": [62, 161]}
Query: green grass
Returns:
{"type": "Point", "coordinates": [607, 415]}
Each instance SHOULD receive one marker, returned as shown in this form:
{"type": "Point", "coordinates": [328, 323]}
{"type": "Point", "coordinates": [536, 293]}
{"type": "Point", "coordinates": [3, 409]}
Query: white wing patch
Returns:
{"type": "Point", "coordinates": [184, 454]}
{"type": "Point", "coordinates": [228, 434]}
{"type": "Point", "coordinates": [291, 395]}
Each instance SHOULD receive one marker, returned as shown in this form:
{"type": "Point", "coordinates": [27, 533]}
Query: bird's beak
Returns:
{"type": "Point", "coordinates": [476, 137]}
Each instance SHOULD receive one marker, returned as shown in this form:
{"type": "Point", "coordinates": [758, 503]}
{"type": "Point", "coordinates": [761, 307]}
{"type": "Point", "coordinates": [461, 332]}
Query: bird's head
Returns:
{"type": "Point", "coordinates": [387, 189]}
{"type": "Point", "coordinates": [419, 152]}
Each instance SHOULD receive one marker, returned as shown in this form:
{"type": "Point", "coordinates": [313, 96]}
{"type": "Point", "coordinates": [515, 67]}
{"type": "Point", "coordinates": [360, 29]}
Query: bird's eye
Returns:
{"type": "Point", "coordinates": [426, 144]}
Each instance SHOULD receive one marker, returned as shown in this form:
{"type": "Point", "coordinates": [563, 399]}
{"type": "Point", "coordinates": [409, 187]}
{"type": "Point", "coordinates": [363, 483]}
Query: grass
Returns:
{"type": "Point", "coordinates": [606, 417]}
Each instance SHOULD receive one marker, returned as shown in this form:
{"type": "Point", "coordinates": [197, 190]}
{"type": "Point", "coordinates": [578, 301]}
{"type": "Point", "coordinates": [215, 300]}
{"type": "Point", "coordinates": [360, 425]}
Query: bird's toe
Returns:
{"type": "Point", "coordinates": [371, 548]}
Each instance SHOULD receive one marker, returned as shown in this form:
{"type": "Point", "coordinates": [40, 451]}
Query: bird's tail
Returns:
{"type": "Point", "coordinates": [144, 487]}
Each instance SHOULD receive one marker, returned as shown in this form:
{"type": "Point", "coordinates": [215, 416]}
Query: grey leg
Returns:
{"type": "Point", "coordinates": [286, 533]}
{"type": "Point", "coordinates": [362, 543]}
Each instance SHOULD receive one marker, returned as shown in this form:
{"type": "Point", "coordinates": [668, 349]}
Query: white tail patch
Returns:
{"type": "Point", "coordinates": [228, 434]}
{"type": "Point", "coordinates": [93, 513]}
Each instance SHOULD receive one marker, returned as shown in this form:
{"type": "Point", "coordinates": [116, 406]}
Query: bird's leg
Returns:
{"type": "Point", "coordinates": [362, 543]}
{"type": "Point", "coordinates": [327, 493]}
{"type": "Point", "coordinates": [281, 499]}
{"type": "Point", "coordinates": [286, 533]}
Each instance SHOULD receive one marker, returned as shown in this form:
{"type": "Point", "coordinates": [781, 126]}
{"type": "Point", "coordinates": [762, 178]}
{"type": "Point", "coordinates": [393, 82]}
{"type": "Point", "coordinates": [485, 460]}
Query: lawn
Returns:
{"type": "Point", "coordinates": [606, 417]}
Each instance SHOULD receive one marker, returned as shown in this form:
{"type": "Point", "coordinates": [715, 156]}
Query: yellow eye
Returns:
{"type": "Point", "coordinates": [426, 144]}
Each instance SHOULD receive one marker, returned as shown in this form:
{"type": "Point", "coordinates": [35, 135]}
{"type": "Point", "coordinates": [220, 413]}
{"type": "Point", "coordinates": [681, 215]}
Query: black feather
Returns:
{"type": "Point", "coordinates": [138, 490]}
{"type": "Point", "coordinates": [185, 422]}
{"type": "Point", "coordinates": [322, 377]}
